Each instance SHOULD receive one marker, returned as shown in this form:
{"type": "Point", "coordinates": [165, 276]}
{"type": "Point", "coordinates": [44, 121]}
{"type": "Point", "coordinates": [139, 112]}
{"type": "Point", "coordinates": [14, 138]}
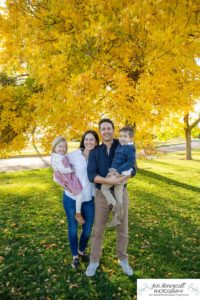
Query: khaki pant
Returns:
{"type": "Point", "coordinates": [101, 217]}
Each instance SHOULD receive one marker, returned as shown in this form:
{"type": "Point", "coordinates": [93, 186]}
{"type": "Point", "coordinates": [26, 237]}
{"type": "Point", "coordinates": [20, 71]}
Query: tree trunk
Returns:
{"type": "Point", "coordinates": [188, 144]}
{"type": "Point", "coordinates": [36, 148]}
{"type": "Point", "coordinates": [188, 129]}
{"type": "Point", "coordinates": [188, 138]}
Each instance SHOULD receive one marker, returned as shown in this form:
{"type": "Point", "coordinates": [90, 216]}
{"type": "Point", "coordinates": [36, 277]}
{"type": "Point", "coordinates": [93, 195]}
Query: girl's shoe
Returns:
{"type": "Point", "coordinates": [79, 218]}
{"type": "Point", "coordinates": [84, 257]}
{"type": "Point", "coordinates": [75, 263]}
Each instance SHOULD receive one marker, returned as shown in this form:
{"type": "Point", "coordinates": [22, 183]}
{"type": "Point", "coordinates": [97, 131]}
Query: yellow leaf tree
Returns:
{"type": "Point", "coordinates": [120, 59]}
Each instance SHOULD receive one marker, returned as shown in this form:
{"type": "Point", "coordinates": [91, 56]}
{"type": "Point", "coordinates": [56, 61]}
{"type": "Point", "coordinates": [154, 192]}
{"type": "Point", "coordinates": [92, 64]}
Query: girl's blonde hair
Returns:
{"type": "Point", "coordinates": [56, 141]}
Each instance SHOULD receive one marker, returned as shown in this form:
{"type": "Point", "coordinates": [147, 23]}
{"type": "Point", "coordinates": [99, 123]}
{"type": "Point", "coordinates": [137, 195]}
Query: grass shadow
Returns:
{"type": "Point", "coordinates": [168, 180]}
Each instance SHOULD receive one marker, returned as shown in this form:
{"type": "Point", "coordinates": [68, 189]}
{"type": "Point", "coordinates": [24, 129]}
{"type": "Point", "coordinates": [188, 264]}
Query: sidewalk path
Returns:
{"type": "Point", "coordinates": [179, 147]}
{"type": "Point", "coordinates": [29, 163]}
{"type": "Point", "coordinates": [24, 163]}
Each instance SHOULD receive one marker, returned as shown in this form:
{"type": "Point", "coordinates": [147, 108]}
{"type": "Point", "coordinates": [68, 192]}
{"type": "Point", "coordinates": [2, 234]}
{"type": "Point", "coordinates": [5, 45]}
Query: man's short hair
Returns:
{"type": "Point", "coordinates": [128, 129]}
{"type": "Point", "coordinates": [106, 120]}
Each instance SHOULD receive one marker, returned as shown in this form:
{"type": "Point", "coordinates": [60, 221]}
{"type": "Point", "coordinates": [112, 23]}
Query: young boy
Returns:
{"type": "Point", "coordinates": [122, 164]}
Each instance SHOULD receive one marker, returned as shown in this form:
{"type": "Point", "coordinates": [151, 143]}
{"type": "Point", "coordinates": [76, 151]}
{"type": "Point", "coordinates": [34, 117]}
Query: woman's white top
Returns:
{"type": "Point", "coordinates": [79, 163]}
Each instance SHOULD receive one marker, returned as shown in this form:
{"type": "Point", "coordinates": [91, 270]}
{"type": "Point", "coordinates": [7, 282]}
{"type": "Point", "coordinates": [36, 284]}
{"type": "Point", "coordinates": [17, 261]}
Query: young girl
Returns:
{"type": "Point", "coordinates": [64, 173]}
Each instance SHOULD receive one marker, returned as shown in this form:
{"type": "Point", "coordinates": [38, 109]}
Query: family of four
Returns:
{"type": "Point", "coordinates": [94, 179]}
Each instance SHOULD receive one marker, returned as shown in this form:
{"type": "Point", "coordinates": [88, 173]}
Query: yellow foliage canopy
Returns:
{"type": "Point", "coordinates": [132, 61]}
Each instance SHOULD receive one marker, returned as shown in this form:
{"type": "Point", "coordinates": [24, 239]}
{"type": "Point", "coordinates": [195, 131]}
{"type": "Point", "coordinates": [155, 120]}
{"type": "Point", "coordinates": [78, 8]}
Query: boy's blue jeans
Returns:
{"type": "Point", "coordinates": [87, 210]}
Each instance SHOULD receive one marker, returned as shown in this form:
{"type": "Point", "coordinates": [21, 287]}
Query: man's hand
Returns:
{"type": "Point", "coordinates": [113, 180]}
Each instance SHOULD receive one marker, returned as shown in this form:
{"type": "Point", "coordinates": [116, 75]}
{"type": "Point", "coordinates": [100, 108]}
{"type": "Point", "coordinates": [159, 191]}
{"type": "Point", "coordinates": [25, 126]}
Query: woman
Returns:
{"type": "Point", "coordinates": [78, 159]}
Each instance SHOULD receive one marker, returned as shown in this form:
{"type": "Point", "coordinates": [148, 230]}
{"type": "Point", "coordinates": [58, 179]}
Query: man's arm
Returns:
{"type": "Point", "coordinates": [93, 175]}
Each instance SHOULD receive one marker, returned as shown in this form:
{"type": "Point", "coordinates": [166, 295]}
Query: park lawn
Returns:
{"type": "Point", "coordinates": [164, 234]}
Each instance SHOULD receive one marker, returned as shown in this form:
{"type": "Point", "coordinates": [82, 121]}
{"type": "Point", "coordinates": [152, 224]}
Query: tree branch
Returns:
{"type": "Point", "coordinates": [195, 123]}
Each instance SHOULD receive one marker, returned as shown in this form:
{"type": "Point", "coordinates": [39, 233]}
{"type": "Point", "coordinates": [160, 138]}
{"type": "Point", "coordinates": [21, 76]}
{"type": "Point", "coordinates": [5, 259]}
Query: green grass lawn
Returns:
{"type": "Point", "coordinates": [164, 234]}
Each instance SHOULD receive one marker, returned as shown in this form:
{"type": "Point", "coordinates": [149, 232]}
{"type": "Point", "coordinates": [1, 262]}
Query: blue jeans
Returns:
{"type": "Point", "coordinates": [87, 210]}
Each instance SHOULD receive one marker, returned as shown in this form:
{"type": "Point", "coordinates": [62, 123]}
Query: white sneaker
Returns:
{"type": "Point", "coordinates": [91, 269]}
{"type": "Point", "coordinates": [125, 267]}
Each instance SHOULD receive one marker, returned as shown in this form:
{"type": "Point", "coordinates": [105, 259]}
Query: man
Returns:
{"type": "Point", "coordinates": [99, 162]}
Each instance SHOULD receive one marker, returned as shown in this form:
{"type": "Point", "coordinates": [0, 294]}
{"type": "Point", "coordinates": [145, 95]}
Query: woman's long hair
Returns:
{"type": "Point", "coordinates": [95, 135]}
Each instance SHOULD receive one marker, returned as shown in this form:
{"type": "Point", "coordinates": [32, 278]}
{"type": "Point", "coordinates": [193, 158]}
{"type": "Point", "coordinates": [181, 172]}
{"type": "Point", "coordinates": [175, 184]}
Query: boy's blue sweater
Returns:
{"type": "Point", "coordinates": [124, 158]}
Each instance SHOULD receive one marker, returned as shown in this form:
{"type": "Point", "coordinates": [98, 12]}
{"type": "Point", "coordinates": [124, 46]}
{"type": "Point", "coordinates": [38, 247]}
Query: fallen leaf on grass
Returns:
{"type": "Point", "coordinates": [145, 245]}
{"type": "Point", "coordinates": [49, 270]}
{"type": "Point", "coordinates": [49, 246]}
{"type": "Point", "coordinates": [22, 251]}
{"type": "Point", "coordinates": [73, 286]}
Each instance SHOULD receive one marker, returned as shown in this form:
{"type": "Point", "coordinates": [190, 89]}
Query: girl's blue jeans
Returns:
{"type": "Point", "coordinates": [87, 210]}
